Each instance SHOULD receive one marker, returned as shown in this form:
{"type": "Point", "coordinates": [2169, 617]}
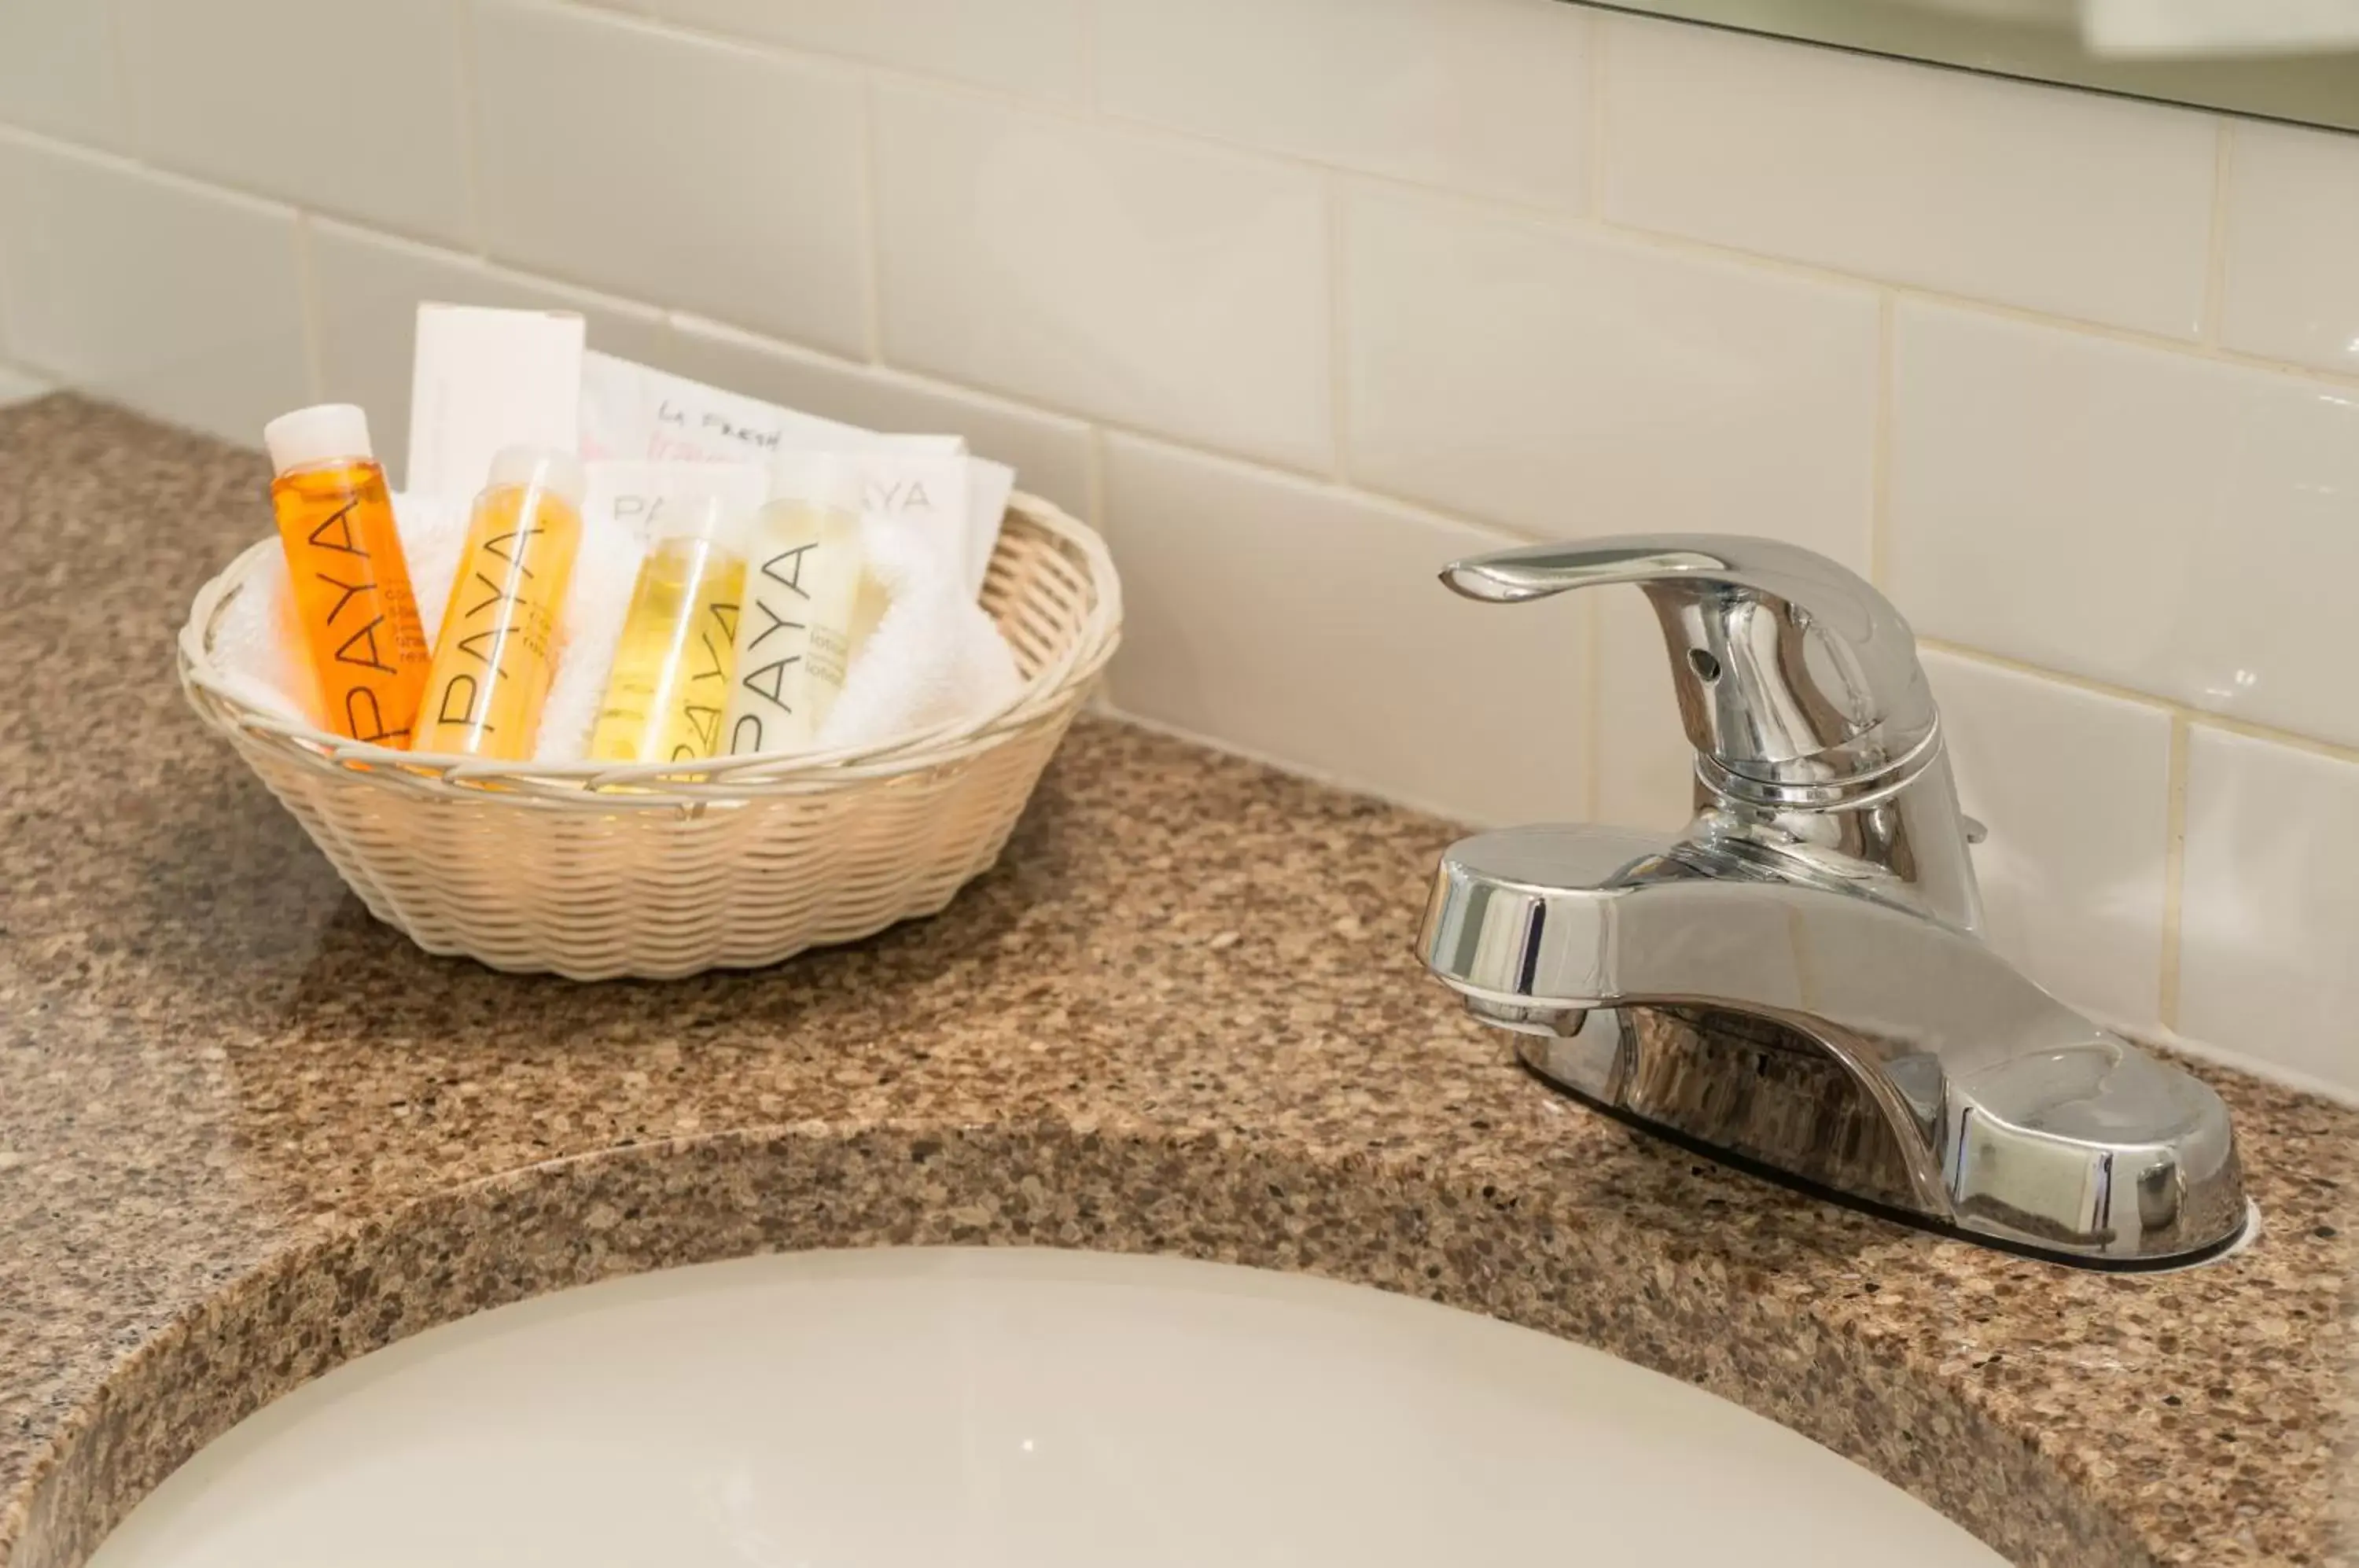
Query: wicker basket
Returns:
{"type": "Point", "coordinates": [594, 871]}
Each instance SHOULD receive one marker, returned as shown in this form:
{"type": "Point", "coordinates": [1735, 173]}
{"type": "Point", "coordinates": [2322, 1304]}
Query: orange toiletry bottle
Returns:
{"type": "Point", "coordinates": [352, 598]}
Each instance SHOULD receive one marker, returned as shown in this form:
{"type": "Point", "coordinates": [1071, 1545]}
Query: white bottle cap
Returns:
{"type": "Point", "coordinates": [828, 481]}
{"type": "Point", "coordinates": [540, 467]}
{"type": "Point", "coordinates": [324, 432]}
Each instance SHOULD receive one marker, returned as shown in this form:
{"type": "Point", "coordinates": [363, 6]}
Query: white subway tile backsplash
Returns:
{"type": "Point", "coordinates": [57, 73]}
{"type": "Point", "coordinates": [2075, 789]}
{"type": "Point", "coordinates": [2167, 523]}
{"type": "Point", "coordinates": [1049, 453]}
{"type": "Point", "coordinates": [1031, 47]}
{"type": "Point", "coordinates": [368, 287]}
{"type": "Point", "coordinates": [1483, 95]}
{"type": "Point", "coordinates": [2291, 290]}
{"type": "Point", "coordinates": [177, 301]}
{"type": "Point", "coordinates": [2068, 202]}
{"type": "Point", "coordinates": [2269, 915]}
{"type": "Point", "coordinates": [699, 174]}
{"type": "Point", "coordinates": [1303, 623]}
{"type": "Point", "coordinates": [1152, 283]}
{"type": "Point", "coordinates": [351, 106]}
{"type": "Point", "coordinates": [1563, 381]}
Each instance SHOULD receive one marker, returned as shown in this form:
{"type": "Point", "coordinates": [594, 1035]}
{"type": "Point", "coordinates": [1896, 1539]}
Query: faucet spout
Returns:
{"type": "Point", "coordinates": [1854, 1045]}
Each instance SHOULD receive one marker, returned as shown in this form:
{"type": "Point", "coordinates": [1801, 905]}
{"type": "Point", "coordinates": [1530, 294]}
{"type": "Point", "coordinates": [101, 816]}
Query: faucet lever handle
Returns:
{"type": "Point", "coordinates": [1790, 669]}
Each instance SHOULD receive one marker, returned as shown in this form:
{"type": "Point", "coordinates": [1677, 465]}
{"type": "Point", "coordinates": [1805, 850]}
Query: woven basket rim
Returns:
{"type": "Point", "coordinates": [606, 787]}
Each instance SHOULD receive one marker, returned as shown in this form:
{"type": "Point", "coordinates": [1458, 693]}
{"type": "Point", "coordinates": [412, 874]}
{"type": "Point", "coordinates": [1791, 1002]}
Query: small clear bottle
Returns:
{"type": "Point", "coordinates": [496, 652]}
{"type": "Point", "coordinates": [668, 689]}
{"type": "Point", "coordinates": [803, 576]}
{"type": "Point", "coordinates": [353, 601]}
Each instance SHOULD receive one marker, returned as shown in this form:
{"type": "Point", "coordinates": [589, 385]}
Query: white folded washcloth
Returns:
{"type": "Point", "coordinates": [933, 657]}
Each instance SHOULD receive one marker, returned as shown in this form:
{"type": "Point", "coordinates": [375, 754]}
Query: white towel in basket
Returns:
{"type": "Point", "coordinates": [934, 655]}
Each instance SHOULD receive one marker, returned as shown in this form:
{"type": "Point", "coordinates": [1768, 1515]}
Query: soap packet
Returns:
{"type": "Point", "coordinates": [633, 411]}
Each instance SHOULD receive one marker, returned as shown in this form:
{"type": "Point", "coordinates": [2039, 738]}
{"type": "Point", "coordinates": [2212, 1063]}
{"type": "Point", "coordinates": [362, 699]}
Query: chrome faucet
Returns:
{"type": "Point", "coordinates": [1795, 982]}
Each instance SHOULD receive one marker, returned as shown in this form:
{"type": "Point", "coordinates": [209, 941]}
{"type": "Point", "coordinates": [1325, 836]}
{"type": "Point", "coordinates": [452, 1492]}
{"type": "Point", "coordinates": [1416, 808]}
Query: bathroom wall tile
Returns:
{"type": "Point", "coordinates": [1032, 46]}
{"type": "Point", "coordinates": [1483, 95]}
{"type": "Point", "coordinates": [350, 106]}
{"type": "Point", "coordinates": [1154, 284]}
{"type": "Point", "coordinates": [1049, 453]}
{"type": "Point", "coordinates": [2269, 915]}
{"type": "Point", "coordinates": [57, 71]}
{"type": "Point", "coordinates": [2074, 787]}
{"type": "Point", "coordinates": [1163, 284]}
{"type": "Point", "coordinates": [177, 301]}
{"type": "Point", "coordinates": [2164, 522]}
{"type": "Point", "coordinates": [368, 287]}
{"type": "Point", "coordinates": [2068, 202]}
{"type": "Point", "coordinates": [1302, 623]}
{"type": "Point", "coordinates": [689, 173]}
{"type": "Point", "coordinates": [2293, 226]}
{"type": "Point", "coordinates": [1562, 381]}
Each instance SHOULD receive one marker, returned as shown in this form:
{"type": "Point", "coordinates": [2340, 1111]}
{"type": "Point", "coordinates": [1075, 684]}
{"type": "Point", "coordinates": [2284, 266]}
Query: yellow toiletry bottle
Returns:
{"type": "Point", "coordinates": [496, 651]}
{"type": "Point", "coordinates": [352, 598]}
{"type": "Point", "coordinates": [802, 574]}
{"type": "Point", "coordinates": [669, 686]}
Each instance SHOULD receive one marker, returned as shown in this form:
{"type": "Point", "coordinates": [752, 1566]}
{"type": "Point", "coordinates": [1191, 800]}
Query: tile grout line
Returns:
{"type": "Point", "coordinates": [2215, 253]}
{"type": "Point", "coordinates": [2197, 717]}
{"type": "Point", "coordinates": [307, 307]}
{"type": "Point", "coordinates": [2174, 871]}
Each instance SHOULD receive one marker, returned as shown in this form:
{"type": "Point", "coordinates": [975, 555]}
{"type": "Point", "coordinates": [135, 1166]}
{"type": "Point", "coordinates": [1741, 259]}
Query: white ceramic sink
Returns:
{"type": "Point", "coordinates": [1052, 1410]}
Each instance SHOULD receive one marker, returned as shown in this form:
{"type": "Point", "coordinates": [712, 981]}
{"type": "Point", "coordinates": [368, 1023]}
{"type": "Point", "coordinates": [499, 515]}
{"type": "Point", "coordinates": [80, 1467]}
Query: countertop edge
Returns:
{"type": "Point", "coordinates": [1395, 1222]}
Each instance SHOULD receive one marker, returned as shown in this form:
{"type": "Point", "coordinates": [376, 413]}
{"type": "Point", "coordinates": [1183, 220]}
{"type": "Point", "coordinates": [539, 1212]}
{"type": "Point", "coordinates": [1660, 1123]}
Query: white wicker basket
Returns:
{"type": "Point", "coordinates": [594, 871]}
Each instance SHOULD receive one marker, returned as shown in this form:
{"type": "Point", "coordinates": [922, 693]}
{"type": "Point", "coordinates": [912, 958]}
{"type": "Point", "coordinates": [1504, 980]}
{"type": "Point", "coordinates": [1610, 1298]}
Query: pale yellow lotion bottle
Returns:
{"type": "Point", "coordinates": [669, 689]}
{"type": "Point", "coordinates": [803, 576]}
{"type": "Point", "coordinates": [496, 652]}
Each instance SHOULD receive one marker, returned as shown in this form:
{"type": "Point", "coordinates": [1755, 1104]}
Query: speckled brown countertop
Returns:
{"type": "Point", "coordinates": [246, 1132]}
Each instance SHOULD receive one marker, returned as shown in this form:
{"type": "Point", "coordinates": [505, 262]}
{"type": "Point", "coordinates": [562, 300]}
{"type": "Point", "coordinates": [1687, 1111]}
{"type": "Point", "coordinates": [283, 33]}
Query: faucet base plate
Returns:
{"type": "Point", "coordinates": [1794, 1120]}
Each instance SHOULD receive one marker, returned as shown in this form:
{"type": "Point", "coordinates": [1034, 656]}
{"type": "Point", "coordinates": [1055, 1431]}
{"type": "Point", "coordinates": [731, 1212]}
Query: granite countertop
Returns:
{"type": "Point", "coordinates": [246, 1132]}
